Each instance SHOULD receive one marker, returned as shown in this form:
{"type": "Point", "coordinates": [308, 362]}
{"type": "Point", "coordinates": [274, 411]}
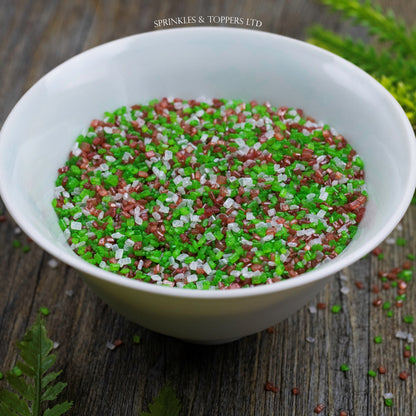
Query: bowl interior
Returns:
{"type": "Point", "coordinates": [211, 62]}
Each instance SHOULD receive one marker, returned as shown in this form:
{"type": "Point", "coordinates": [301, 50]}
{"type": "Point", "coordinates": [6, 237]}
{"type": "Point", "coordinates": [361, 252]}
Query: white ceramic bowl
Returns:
{"type": "Point", "coordinates": [188, 63]}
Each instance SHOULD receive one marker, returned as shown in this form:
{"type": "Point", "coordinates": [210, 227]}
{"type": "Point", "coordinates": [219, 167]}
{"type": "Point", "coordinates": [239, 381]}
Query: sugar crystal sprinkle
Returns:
{"type": "Point", "coordinates": [53, 263]}
{"type": "Point", "coordinates": [251, 194]}
{"type": "Point", "coordinates": [110, 346]}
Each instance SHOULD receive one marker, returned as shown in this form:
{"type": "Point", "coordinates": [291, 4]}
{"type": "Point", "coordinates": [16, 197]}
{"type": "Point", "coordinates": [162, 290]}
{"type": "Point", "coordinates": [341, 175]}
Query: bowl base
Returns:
{"type": "Point", "coordinates": [208, 342]}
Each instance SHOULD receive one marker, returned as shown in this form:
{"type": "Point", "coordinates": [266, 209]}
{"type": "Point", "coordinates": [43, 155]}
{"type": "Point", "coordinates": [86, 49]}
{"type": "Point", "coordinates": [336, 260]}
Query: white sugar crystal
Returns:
{"type": "Point", "coordinates": [312, 309]}
{"type": "Point", "coordinates": [233, 227]}
{"type": "Point", "coordinates": [58, 190]}
{"type": "Point", "coordinates": [401, 335]}
{"type": "Point", "coordinates": [177, 223]}
{"type": "Point", "coordinates": [182, 257]}
{"type": "Point", "coordinates": [209, 236]}
{"type": "Point", "coordinates": [192, 278]}
{"type": "Point", "coordinates": [250, 216]}
{"type": "Point", "coordinates": [126, 156]}
{"type": "Point", "coordinates": [117, 235]}
{"type": "Point", "coordinates": [207, 268]}
{"type": "Point", "coordinates": [53, 263]}
{"type": "Point", "coordinates": [199, 285]}
{"type": "Point", "coordinates": [388, 395]}
{"type": "Point", "coordinates": [156, 216]}
{"type": "Point", "coordinates": [124, 261]}
{"type": "Point", "coordinates": [168, 155]}
{"type": "Point", "coordinates": [155, 277]}
{"type": "Point", "coordinates": [321, 213]}
{"type": "Point", "coordinates": [345, 290]}
{"type": "Point", "coordinates": [186, 182]}
{"type": "Point", "coordinates": [410, 338]}
{"type": "Point", "coordinates": [246, 182]}
{"type": "Point", "coordinates": [240, 141]}
{"type": "Point", "coordinates": [110, 346]}
{"type": "Point", "coordinates": [323, 196]}
{"type": "Point", "coordinates": [193, 265]}
{"type": "Point", "coordinates": [309, 197]}
{"type": "Point", "coordinates": [228, 203]}
{"type": "Point", "coordinates": [178, 179]}
{"type": "Point", "coordinates": [76, 150]}
{"type": "Point", "coordinates": [164, 209]}
{"type": "Point", "coordinates": [310, 340]}
{"type": "Point", "coordinates": [343, 277]}
{"type": "Point", "coordinates": [76, 225]}
{"type": "Point", "coordinates": [128, 243]}
{"type": "Point", "coordinates": [119, 253]}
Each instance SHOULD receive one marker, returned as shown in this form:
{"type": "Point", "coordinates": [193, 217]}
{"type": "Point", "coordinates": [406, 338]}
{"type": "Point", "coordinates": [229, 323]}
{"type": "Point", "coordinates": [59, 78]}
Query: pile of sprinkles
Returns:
{"type": "Point", "coordinates": [209, 193]}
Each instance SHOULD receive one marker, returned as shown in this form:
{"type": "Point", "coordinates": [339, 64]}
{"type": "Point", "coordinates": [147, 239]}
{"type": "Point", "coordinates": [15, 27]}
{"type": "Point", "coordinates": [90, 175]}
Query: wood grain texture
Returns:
{"type": "Point", "coordinates": [225, 380]}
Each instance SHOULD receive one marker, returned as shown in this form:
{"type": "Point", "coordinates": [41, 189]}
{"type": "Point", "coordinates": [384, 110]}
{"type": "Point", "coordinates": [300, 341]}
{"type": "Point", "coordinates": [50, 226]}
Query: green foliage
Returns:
{"type": "Point", "coordinates": [384, 25]}
{"type": "Point", "coordinates": [392, 62]}
{"type": "Point", "coordinates": [35, 388]}
{"type": "Point", "coordinates": [165, 404]}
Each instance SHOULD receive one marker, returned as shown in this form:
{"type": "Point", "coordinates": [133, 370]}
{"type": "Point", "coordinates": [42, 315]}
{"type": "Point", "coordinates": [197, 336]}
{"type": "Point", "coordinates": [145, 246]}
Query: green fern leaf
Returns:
{"type": "Point", "coordinates": [165, 404]}
{"type": "Point", "coordinates": [384, 25]}
{"type": "Point", "coordinates": [32, 390]}
{"type": "Point", "coordinates": [58, 409]}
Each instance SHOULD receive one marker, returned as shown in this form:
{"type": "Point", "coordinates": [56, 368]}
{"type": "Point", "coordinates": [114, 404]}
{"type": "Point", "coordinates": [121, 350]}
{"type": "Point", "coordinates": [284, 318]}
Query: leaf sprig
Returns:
{"type": "Point", "coordinates": [392, 62]}
{"type": "Point", "coordinates": [165, 404]}
{"type": "Point", "coordinates": [36, 388]}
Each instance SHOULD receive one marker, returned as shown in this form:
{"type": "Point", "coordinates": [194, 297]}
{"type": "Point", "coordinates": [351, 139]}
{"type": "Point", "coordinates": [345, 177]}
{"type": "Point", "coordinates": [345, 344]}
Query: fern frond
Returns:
{"type": "Point", "coordinates": [384, 25]}
{"type": "Point", "coordinates": [34, 389]}
{"type": "Point", "coordinates": [377, 64]}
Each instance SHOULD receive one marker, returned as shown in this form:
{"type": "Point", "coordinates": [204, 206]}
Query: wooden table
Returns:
{"type": "Point", "coordinates": [37, 35]}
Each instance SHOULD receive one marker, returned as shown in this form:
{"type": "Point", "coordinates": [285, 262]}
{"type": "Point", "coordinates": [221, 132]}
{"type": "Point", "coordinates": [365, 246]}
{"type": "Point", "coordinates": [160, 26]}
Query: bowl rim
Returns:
{"type": "Point", "coordinates": [307, 278]}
